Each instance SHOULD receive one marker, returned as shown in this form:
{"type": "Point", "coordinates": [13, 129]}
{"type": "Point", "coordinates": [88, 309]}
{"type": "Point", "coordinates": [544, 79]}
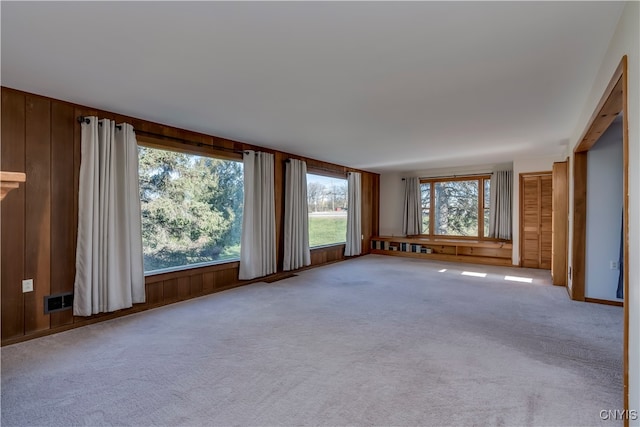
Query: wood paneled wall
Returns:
{"type": "Point", "coordinates": [41, 136]}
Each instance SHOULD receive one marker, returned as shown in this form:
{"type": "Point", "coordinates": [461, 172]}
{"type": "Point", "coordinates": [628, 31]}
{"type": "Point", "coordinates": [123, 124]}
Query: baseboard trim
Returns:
{"type": "Point", "coordinates": [604, 301]}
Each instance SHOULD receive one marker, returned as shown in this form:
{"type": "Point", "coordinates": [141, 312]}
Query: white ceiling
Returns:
{"type": "Point", "coordinates": [382, 86]}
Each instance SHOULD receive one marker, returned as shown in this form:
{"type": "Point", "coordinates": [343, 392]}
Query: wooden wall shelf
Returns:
{"type": "Point", "coordinates": [10, 181]}
{"type": "Point", "coordinates": [456, 250]}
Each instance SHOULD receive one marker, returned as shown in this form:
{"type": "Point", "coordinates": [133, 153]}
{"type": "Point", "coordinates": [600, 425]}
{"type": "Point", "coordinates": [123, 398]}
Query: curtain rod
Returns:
{"type": "Point", "coordinates": [84, 119]}
{"type": "Point", "coordinates": [454, 176]}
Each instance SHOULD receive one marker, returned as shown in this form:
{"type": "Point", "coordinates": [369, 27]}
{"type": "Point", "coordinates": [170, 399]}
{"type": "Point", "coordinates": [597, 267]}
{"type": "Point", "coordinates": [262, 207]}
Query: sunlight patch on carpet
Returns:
{"type": "Point", "coordinates": [519, 279]}
{"type": "Point", "coordinates": [474, 274]}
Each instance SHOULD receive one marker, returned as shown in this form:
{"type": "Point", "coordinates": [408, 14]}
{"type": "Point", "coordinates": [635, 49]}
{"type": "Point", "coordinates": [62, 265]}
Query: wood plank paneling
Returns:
{"type": "Point", "coordinates": [207, 283]}
{"type": "Point", "coordinates": [318, 257]}
{"type": "Point", "coordinates": [170, 291]}
{"type": "Point", "coordinates": [546, 229]}
{"type": "Point", "coordinates": [488, 252]}
{"type": "Point", "coordinates": [62, 209]}
{"type": "Point", "coordinates": [195, 284]}
{"type": "Point", "coordinates": [560, 221]}
{"type": "Point", "coordinates": [13, 215]}
{"type": "Point", "coordinates": [154, 293]}
{"type": "Point", "coordinates": [38, 211]}
{"type": "Point", "coordinates": [47, 230]}
{"type": "Point", "coordinates": [184, 287]}
{"type": "Point", "coordinates": [579, 225]}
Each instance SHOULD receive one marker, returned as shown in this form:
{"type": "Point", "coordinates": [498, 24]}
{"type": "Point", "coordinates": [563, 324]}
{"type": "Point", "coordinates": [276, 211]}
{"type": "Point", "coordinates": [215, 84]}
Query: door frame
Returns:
{"type": "Point", "coordinates": [612, 103]}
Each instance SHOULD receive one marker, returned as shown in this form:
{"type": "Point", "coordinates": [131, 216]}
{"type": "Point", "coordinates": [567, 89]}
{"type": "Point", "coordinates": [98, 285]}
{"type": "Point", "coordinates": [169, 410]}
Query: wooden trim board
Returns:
{"type": "Point", "coordinates": [604, 302]}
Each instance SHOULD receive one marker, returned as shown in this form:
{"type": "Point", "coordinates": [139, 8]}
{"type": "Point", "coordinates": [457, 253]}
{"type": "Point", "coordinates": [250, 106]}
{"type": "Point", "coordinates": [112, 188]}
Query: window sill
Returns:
{"type": "Point", "coordinates": [330, 245]}
{"type": "Point", "coordinates": [189, 267]}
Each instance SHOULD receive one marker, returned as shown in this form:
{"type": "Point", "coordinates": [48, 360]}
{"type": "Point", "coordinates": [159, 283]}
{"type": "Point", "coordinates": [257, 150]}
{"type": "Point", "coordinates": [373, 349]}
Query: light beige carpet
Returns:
{"type": "Point", "coordinates": [371, 341]}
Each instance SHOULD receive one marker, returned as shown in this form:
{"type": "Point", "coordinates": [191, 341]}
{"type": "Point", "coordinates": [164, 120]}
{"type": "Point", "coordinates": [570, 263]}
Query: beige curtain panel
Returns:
{"type": "Point", "coordinates": [500, 209]}
{"type": "Point", "coordinates": [109, 263]}
{"type": "Point", "coordinates": [412, 209]}
{"type": "Point", "coordinates": [354, 215]}
{"type": "Point", "coordinates": [258, 242]}
{"type": "Point", "coordinates": [296, 216]}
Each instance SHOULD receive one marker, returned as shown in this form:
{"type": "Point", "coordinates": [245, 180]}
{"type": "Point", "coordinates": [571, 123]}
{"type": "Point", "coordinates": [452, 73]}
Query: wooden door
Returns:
{"type": "Point", "coordinates": [560, 220]}
{"type": "Point", "coordinates": [536, 200]}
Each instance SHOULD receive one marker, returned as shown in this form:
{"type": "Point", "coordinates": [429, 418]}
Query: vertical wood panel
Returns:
{"type": "Point", "coordinates": [560, 222]}
{"type": "Point", "coordinates": [229, 276]}
{"type": "Point", "coordinates": [184, 287]}
{"type": "Point", "coordinates": [225, 279]}
{"type": "Point", "coordinates": [579, 225]}
{"type": "Point", "coordinates": [170, 290]}
{"type": "Point", "coordinates": [62, 206]}
{"type": "Point", "coordinates": [38, 211]}
{"type": "Point", "coordinates": [546, 202]}
{"type": "Point", "coordinates": [196, 284]}
{"type": "Point", "coordinates": [372, 211]}
{"type": "Point", "coordinates": [207, 283]}
{"type": "Point", "coordinates": [318, 257]}
{"type": "Point", "coordinates": [154, 293]}
{"type": "Point", "coordinates": [13, 215]}
{"type": "Point", "coordinates": [218, 280]}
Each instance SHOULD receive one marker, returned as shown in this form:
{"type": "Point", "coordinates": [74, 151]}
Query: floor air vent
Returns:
{"type": "Point", "coordinates": [58, 302]}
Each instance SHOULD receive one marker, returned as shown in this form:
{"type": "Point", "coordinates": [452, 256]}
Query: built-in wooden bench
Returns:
{"type": "Point", "coordinates": [459, 250]}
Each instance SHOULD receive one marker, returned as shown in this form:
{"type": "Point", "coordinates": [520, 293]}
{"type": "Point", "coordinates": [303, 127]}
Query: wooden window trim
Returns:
{"type": "Point", "coordinates": [325, 172]}
{"type": "Point", "coordinates": [204, 150]}
{"type": "Point", "coordinates": [481, 206]}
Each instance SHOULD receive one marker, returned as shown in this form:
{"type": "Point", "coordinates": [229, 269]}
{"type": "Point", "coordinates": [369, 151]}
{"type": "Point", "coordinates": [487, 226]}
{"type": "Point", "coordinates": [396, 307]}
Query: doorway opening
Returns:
{"type": "Point", "coordinates": [612, 104]}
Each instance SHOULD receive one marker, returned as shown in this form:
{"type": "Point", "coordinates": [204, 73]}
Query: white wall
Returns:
{"type": "Point", "coordinates": [604, 214]}
{"type": "Point", "coordinates": [626, 41]}
{"type": "Point", "coordinates": [542, 164]}
{"type": "Point", "coordinates": [391, 199]}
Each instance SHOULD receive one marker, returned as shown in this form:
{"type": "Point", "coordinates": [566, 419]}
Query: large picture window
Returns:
{"type": "Point", "coordinates": [327, 200]}
{"type": "Point", "coordinates": [191, 209]}
{"type": "Point", "coordinates": [456, 207]}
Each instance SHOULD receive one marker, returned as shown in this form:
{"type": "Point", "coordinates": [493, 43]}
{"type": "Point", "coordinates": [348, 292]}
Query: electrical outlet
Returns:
{"type": "Point", "coordinates": [613, 265]}
{"type": "Point", "coordinates": [27, 285]}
